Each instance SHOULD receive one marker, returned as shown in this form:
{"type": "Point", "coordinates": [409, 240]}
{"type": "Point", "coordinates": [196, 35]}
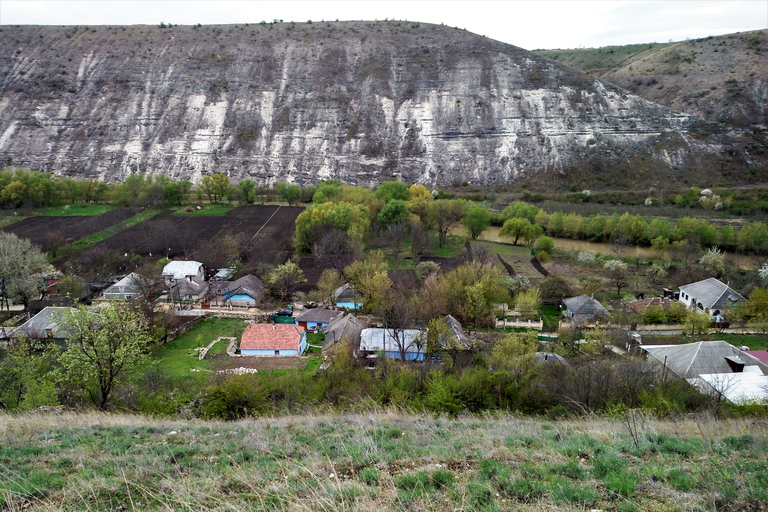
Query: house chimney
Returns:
{"type": "Point", "coordinates": [273, 327]}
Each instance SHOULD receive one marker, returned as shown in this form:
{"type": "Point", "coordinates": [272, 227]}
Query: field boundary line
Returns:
{"type": "Point", "coordinates": [267, 222]}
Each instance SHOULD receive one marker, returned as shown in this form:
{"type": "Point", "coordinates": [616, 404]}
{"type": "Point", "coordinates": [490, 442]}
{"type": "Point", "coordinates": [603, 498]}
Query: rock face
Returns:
{"type": "Point", "coordinates": [359, 101]}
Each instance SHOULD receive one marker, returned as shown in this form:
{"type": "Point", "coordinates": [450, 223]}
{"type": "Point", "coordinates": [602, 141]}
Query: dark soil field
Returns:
{"type": "Point", "coordinates": [70, 228]}
{"type": "Point", "coordinates": [262, 233]}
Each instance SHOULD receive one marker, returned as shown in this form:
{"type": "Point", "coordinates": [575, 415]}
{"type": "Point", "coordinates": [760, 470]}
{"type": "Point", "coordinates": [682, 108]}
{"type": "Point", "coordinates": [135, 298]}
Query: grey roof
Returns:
{"type": "Point", "coordinates": [247, 285]}
{"type": "Point", "coordinates": [344, 327]}
{"type": "Point", "coordinates": [50, 318]}
{"type": "Point", "coordinates": [585, 307]}
{"type": "Point", "coordinates": [548, 358]}
{"type": "Point", "coordinates": [737, 387]}
{"type": "Point", "coordinates": [188, 287]}
{"type": "Point", "coordinates": [457, 330]}
{"type": "Point", "coordinates": [373, 340]}
{"type": "Point", "coordinates": [345, 293]}
{"type": "Point", "coordinates": [711, 293]}
{"type": "Point", "coordinates": [705, 357]}
{"type": "Point", "coordinates": [181, 269]}
{"type": "Point", "coordinates": [318, 315]}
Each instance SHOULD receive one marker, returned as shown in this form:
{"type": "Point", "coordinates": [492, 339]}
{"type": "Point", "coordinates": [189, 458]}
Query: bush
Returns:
{"type": "Point", "coordinates": [545, 244]}
{"type": "Point", "coordinates": [235, 398]}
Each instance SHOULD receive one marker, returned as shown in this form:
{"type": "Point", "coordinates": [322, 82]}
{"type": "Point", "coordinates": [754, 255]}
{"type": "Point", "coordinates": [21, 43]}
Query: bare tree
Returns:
{"type": "Point", "coordinates": [336, 249]}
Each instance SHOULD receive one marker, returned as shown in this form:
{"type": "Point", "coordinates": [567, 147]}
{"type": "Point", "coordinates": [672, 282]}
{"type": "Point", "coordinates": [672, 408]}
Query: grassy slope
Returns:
{"type": "Point", "coordinates": [380, 460]}
{"type": "Point", "coordinates": [716, 78]}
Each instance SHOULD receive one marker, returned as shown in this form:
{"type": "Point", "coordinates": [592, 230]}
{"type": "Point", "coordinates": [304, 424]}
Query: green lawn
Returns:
{"type": "Point", "coordinates": [178, 357]}
{"type": "Point", "coordinates": [206, 209]}
{"type": "Point", "coordinates": [753, 341]}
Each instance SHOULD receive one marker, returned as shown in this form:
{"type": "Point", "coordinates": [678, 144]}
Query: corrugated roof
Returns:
{"type": "Point", "coordinates": [738, 387]}
{"type": "Point", "coordinates": [373, 340]}
{"type": "Point", "coordinates": [318, 315]}
{"type": "Point", "coordinates": [457, 330]}
{"type": "Point", "coordinates": [181, 269]}
{"type": "Point", "coordinates": [693, 359]}
{"type": "Point", "coordinates": [345, 293]}
{"type": "Point", "coordinates": [585, 307]}
{"type": "Point", "coordinates": [271, 337]}
{"type": "Point", "coordinates": [711, 293]}
{"type": "Point", "coordinates": [38, 326]}
{"type": "Point", "coordinates": [759, 354]}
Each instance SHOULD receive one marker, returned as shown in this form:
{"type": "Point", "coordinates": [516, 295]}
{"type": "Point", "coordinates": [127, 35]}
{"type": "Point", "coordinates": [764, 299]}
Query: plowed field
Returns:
{"type": "Point", "coordinates": [71, 227]}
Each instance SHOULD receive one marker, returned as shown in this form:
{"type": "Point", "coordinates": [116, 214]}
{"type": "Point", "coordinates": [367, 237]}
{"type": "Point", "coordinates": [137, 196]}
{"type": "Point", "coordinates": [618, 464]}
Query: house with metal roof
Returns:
{"type": "Point", "coordinates": [176, 271]}
{"type": "Point", "coordinates": [317, 317]}
{"type": "Point", "coordinates": [391, 342]}
{"type": "Point", "coordinates": [714, 367]}
{"type": "Point", "coordinates": [273, 340]}
{"type": "Point", "coordinates": [188, 290]}
{"type": "Point", "coordinates": [709, 296]}
{"type": "Point", "coordinates": [583, 309]}
{"type": "Point", "coordinates": [46, 325]}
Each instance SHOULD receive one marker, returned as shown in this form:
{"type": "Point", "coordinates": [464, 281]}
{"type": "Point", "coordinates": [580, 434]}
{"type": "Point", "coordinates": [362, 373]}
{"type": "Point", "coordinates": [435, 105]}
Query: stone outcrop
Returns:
{"type": "Point", "coordinates": [359, 101]}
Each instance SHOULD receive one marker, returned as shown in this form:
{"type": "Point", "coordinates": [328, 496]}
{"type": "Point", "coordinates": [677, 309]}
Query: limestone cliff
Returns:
{"type": "Point", "coordinates": [358, 101]}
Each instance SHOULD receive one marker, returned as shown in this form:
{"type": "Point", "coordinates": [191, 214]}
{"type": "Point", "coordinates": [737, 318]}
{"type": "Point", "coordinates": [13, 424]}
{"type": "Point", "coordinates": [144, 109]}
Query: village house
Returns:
{"type": "Point", "coordinates": [709, 296]}
{"type": "Point", "coordinates": [714, 367]}
{"type": "Point", "coordinates": [343, 329]}
{"type": "Point", "coordinates": [347, 297]}
{"type": "Point", "coordinates": [317, 317]}
{"type": "Point", "coordinates": [46, 325]}
{"type": "Point", "coordinates": [127, 288]}
{"type": "Point", "coordinates": [177, 271]}
{"type": "Point", "coordinates": [244, 292]}
{"type": "Point", "coordinates": [583, 309]}
{"type": "Point", "coordinates": [376, 340]}
{"type": "Point", "coordinates": [273, 340]}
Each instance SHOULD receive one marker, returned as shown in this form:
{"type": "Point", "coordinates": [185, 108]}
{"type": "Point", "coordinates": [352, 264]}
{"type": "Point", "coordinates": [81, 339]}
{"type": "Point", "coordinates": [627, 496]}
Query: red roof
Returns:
{"type": "Point", "coordinates": [760, 354]}
{"type": "Point", "coordinates": [271, 337]}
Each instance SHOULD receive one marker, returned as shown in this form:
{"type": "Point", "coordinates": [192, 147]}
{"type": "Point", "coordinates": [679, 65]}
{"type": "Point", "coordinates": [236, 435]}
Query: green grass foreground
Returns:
{"type": "Point", "coordinates": [381, 460]}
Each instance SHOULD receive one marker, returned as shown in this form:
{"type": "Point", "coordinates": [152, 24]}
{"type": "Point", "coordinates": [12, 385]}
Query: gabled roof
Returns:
{"type": "Point", "coordinates": [50, 318]}
{"type": "Point", "coordinates": [738, 387]}
{"type": "Point", "coordinates": [705, 357]}
{"type": "Point", "coordinates": [345, 293]}
{"type": "Point", "coordinates": [188, 287]}
{"type": "Point", "coordinates": [181, 269]}
{"type": "Point", "coordinates": [132, 280]}
{"type": "Point", "coordinates": [711, 293]}
{"type": "Point", "coordinates": [344, 327]}
{"type": "Point", "coordinates": [548, 358]}
{"type": "Point", "coordinates": [271, 337]}
{"type": "Point", "coordinates": [246, 285]}
{"type": "Point", "coordinates": [373, 340]}
{"type": "Point", "coordinates": [457, 330]}
{"type": "Point", "coordinates": [584, 307]}
{"type": "Point", "coordinates": [318, 315]}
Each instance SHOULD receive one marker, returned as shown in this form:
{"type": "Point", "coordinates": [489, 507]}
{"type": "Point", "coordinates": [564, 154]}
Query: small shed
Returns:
{"type": "Point", "coordinates": [584, 309]}
{"type": "Point", "coordinates": [273, 340]}
{"type": "Point", "coordinates": [317, 317]}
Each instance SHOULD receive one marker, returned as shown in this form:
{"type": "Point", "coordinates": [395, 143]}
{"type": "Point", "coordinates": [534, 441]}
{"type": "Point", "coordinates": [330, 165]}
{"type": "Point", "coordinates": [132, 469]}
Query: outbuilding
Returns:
{"type": "Point", "coordinates": [273, 340]}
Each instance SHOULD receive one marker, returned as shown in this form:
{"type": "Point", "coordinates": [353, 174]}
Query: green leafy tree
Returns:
{"type": "Point", "coordinates": [544, 244]}
{"type": "Point", "coordinates": [445, 214]}
{"type": "Point", "coordinates": [330, 281]}
{"type": "Point", "coordinates": [26, 380]}
{"type": "Point", "coordinates": [390, 190]}
{"type": "Point", "coordinates": [317, 219]}
{"type": "Point", "coordinates": [508, 351]}
{"type": "Point", "coordinates": [394, 212]}
{"type": "Point", "coordinates": [216, 187]}
{"type": "Point", "coordinates": [476, 220]}
{"type": "Point", "coordinates": [328, 190]}
{"type": "Point", "coordinates": [103, 349]}
{"type": "Point", "coordinates": [284, 277]}
{"type": "Point", "coordinates": [287, 192]}
{"type": "Point", "coordinates": [516, 228]}
{"type": "Point", "coordinates": [369, 277]}
{"type": "Point", "coordinates": [528, 302]}
{"type": "Point", "coordinates": [247, 191]}
{"type": "Point", "coordinates": [521, 210]}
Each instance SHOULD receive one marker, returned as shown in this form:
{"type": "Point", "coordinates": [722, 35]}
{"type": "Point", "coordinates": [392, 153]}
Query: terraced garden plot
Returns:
{"type": "Point", "coordinates": [269, 230]}
{"type": "Point", "coordinates": [71, 228]}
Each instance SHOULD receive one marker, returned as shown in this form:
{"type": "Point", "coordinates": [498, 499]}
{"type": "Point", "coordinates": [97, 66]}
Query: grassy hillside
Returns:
{"type": "Point", "coordinates": [722, 78]}
{"type": "Point", "coordinates": [381, 460]}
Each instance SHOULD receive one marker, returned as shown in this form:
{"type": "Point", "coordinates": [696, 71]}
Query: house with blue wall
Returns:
{"type": "Point", "coordinates": [243, 292]}
{"type": "Point", "coordinates": [390, 341]}
{"type": "Point", "coordinates": [273, 340]}
{"type": "Point", "coordinates": [317, 317]}
{"type": "Point", "coordinates": [347, 297]}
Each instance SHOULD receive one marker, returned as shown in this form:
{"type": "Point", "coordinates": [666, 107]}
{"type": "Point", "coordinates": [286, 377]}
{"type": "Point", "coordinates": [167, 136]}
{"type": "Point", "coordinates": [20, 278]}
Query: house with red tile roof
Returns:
{"type": "Point", "coordinates": [273, 340]}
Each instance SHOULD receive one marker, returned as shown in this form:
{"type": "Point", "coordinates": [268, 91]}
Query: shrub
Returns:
{"type": "Point", "coordinates": [369, 475]}
{"type": "Point", "coordinates": [544, 244]}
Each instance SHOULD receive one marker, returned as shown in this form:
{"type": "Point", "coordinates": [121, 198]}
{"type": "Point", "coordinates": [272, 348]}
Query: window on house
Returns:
{"type": "Point", "coordinates": [277, 352]}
